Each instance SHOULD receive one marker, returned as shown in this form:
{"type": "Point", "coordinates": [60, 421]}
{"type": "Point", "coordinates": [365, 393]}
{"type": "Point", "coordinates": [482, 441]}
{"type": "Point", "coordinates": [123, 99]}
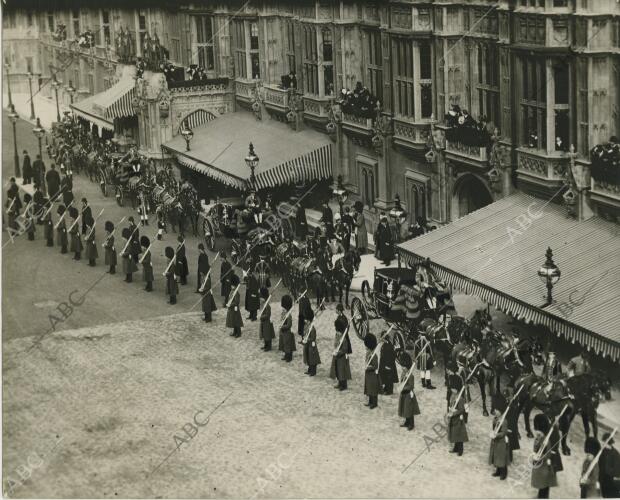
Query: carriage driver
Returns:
{"type": "Point", "coordinates": [252, 203]}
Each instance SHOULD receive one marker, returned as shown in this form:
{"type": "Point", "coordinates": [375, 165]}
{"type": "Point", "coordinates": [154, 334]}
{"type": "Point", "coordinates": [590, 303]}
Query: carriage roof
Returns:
{"type": "Point", "coordinates": [402, 274]}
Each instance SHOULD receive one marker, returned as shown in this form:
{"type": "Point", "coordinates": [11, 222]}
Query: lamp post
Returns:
{"type": "Point", "coordinates": [340, 193]}
{"type": "Point", "coordinates": [549, 274]}
{"type": "Point", "coordinates": [187, 134]}
{"type": "Point", "coordinates": [71, 90]}
{"type": "Point", "coordinates": [30, 77]}
{"type": "Point", "coordinates": [39, 132]}
{"type": "Point", "coordinates": [398, 215]}
{"type": "Point", "coordinates": [251, 160]}
{"type": "Point", "coordinates": [13, 116]}
{"type": "Point", "coordinates": [55, 85]}
{"type": "Point", "coordinates": [8, 85]}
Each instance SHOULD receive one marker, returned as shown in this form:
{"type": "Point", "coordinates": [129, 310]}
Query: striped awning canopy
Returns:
{"type": "Point", "coordinates": [84, 109]}
{"type": "Point", "coordinates": [219, 148]}
{"type": "Point", "coordinates": [116, 102]}
{"type": "Point", "coordinates": [495, 253]}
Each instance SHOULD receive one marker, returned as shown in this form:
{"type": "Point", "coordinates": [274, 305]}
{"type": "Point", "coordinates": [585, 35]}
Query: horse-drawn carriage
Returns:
{"type": "Point", "coordinates": [219, 220]}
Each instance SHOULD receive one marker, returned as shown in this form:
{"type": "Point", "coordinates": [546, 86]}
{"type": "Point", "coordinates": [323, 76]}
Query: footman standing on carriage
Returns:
{"type": "Point", "coordinates": [203, 266]}
{"type": "Point", "coordinates": [408, 406]}
{"type": "Point", "coordinates": [172, 288]}
{"type": "Point", "coordinates": [265, 331]}
{"type": "Point", "coordinates": [457, 427]}
{"type": "Point", "coordinates": [75, 245]}
{"type": "Point", "coordinates": [225, 276]}
{"type": "Point", "coordinates": [310, 349]}
{"type": "Point", "coordinates": [371, 372]}
{"type": "Point", "coordinates": [89, 237]}
{"type": "Point", "coordinates": [109, 249]}
{"type": "Point", "coordinates": [252, 300]}
{"type": "Point", "coordinates": [340, 368]}
{"type": "Point", "coordinates": [147, 264]}
{"type": "Point", "coordinates": [286, 342]}
{"type": "Point", "coordinates": [208, 303]}
{"type": "Point", "coordinates": [233, 316]}
{"type": "Point", "coordinates": [500, 451]}
{"type": "Point", "coordinates": [129, 263]}
{"type": "Point", "coordinates": [253, 204]}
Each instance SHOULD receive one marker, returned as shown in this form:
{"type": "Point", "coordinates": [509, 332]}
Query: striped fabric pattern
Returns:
{"type": "Point", "coordinates": [312, 166]}
{"type": "Point", "coordinates": [196, 119]}
{"type": "Point", "coordinates": [210, 171]}
{"type": "Point", "coordinates": [116, 102]}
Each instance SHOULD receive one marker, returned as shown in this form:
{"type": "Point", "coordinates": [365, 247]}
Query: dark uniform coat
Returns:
{"type": "Point", "coordinates": [129, 264]}
{"type": "Point", "coordinates": [371, 375]}
{"type": "Point", "coordinates": [225, 276]}
{"type": "Point", "coordinates": [265, 329]}
{"type": "Point", "coordinates": [590, 483]}
{"type": "Point", "coordinates": [361, 238]}
{"type": "Point", "coordinates": [383, 243]}
{"type": "Point", "coordinates": [27, 167]}
{"type": "Point", "coordinates": [87, 214]}
{"type": "Point", "coordinates": [147, 267]}
{"type": "Point", "coordinates": [457, 430]}
{"type": "Point", "coordinates": [311, 350]}
{"type": "Point", "coordinates": [387, 364]}
{"type": "Point", "coordinates": [543, 474]}
{"type": "Point", "coordinates": [233, 316]}
{"type": "Point", "coordinates": [407, 401]}
{"type": "Point", "coordinates": [48, 228]}
{"type": "Point", "coordinates": [91, 245]}
{"type": "Point", "coordinates": [110, 251]}
{"type": "Point", "coordinates": [208, 303]}
{"type": "Point", "coordinates": [500, 453]}
{"type": "Point", "coordinates": [252, 301]}
{"type": "Point", "coordinates": [286, 341]}
{"type": "Point", "coordinates": [301, 224]}
{"type": "Point", "coordinates": [182, 269]}
{"type": "Point", "coordinates": [76, 242]}
{"type": "Point", "coordinates": [304, 306]}
{"type": "Point", "coordinates": [172, 287]}
{"type": "Point", "coordinates": [556, 456]}
{"type": "Point", "coordinates": [52, 178]}
{"type": "Point", "coordinates": [61, 234]}
{"type": "Point", "coordinates": [340, 368]}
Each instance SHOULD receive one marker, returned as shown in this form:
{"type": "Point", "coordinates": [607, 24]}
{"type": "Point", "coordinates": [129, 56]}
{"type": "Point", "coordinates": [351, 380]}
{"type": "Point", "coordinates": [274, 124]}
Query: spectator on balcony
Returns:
{"type": "Point", "coordinates": [417, 228]}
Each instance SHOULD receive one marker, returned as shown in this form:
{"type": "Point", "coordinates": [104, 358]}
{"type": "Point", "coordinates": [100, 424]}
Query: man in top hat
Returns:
{"type": "Point", "coordinates": [609, 469]}
{"type": "Point", "coordinates": [109, 248]}
{"type": "Point", "coordinates": [27, 169]}
{"type": "Point", "coordinates": [38, 173]}
{"type": "Point", "coordinates": [383, 241]}
{"type": "Point", "coordinates": [182, 269]}
{"type": "Point", "coordinates": [87, 213]}
{"type": "Point", "coordinates": [172, 288]}
{"type": "Point", "coordinates": [89, 239]}
{"type": "Point", "coordinates": [225, 277]}
{"type": "Point", "coordinates": [388, 376]}
{"type": "Point", "coordinates": [203, 266]}
{"type": "Point", "coordinates": [147, 264]}
{"type": "Point", "coordinates": [252, 300]}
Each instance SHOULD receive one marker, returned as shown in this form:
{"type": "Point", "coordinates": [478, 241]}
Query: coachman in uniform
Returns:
{"type": "Point", "coordinates": [233, 316]}
{"type": "Point", "coordinates": [408, 406]}
{"type": "Point", "coordinates": [109, 249]}
{"type": "Point", "coordinates": [225, 277]}
{"type": "Point", "coordinates": [500, 451]}
{"type": "Point", "coordinates": [61, 230]}
{"type": "Point", "coordinates": [286, 342]}
{"type": "Point", "coordinates": [265, 331]}
{"type": "Point", "coordinates": [74, 235]}
{"type": "Point", "coordinates": [172, 288]}
{"type": "Point", "coordinates": [340, 368]}
{"type": "Point", "coordinates": [457, 418]}
{"type": "Point", "coordinates": [129, 265]}
{"type": "Point", "coordinates": [371, 372]}
{"type": "Point", "coordinates": [147, 264]}
{"type": "Point", "coordinates": [310, 349]}
{"type": "Point", "coordinates": [91, 245]}
{"type": "Point", "coordinates": [208, 302]}
{"type": "Point", "coordinates": [543, 473]}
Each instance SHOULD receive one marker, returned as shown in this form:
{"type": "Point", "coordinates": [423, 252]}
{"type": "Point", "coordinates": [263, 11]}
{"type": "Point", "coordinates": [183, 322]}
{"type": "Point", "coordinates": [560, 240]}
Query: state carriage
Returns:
{"type": "Point", "coordinates": [219, 221]}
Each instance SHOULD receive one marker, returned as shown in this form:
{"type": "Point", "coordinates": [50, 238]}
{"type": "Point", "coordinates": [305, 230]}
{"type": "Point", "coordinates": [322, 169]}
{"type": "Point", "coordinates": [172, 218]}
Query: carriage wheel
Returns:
{"type": "Point", "coordinates": [359, 317]}
{"type": "Point", "coordinates": [120, 196]}
{"type": "Point", "coordinates": [209, 234]}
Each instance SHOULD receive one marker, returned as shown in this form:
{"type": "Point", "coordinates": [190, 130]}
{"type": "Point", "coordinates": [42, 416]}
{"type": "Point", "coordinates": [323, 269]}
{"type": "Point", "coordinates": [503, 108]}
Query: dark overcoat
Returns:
{"type": "Point", "coordinates": [407, 401]}
{"type": "Point", "coordinates": [147, 267]}
{"type": "Point", "coordinates": [371, 375]}
{"type": "Point", "coordinates": [286, 341]}
{"type": "Point", "coordinates": [265, 329]}
{"type": "Point", "coordinates": [311, 350]}
{"type": "Point", "coordinates": [233, 316]}
{"type": "Point", "coordinates": [110, 251]}
{"type": "Point", "coordinates": [208, 303]}
{"type": "Point", "coordinates": [76, 242]}
{"type": "Point", "coordinates": [543, 474]}
{"type": "Point", "coordinates": [340, 368]}
{"type": "Point", "coordinates": [225, 276]}
{"type": "Point", "coordinates": [500, 453]}
{"type": "Point", "coordinates": [387, 364]}
{"type": "Point", "coordinates": [252, 301]}
{"type": "Point", "coordinates": [457, 429]}
{"type": "Point", "coordinates": [91, 245]}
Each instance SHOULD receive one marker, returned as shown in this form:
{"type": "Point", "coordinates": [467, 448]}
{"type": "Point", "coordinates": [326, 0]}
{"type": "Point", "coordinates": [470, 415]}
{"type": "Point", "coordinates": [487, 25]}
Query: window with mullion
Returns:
{"type": "Point", "coordinates": [204, 42]}
{"type": "Point", "coordinates": [426, 82]}
{"type": "Point", "coordinates": [290, 46]}
{"type": "Point", "coordinates": [254, 51]}
{"type": "Point", "coordinates": [488, 82]}
{"type": "Point", "coordinates": [374, 58]}
{"type": "Point", "coordinates": [75, 22]}
{"type": "Point", "coordinates": [533, 103]}
{"type": "Point", "coordinates": [327, 61]}
{"type": "Point", "coordinates": [241, 68]}
{"type": "Point", "coordinates": [311, 64]}
{"type": "Point", "coordinates": [582, 106]}
{"type": "Point", "coordinates": [402, 55]}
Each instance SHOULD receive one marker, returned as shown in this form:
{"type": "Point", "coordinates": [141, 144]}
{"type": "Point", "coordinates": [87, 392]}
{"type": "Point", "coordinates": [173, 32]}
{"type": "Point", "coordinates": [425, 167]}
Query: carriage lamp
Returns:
{"type": "Point", "coordinates": [187, 134]}
{"type": "Point", "coordinates": [55, 86]}
{"type": "Point", "coordinates": [398, 215]}
{"type": "Point", "coordinates": [340, 193]}
{"type": "Point", "coordinates": [251, 160]}
{"type": "Point", "coordinates": [549, 274]}
{"type": "Point", "coordinates": [71, 90]}
{"type": "Point", "coordinates": [13, 116]}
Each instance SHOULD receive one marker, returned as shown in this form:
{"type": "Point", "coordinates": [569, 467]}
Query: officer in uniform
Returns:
{"type": "Point", "coordinates": [311, 356]}
{"type": "Point", "coordinates": [182, 269]}
{"type": "Point", "coordinates": [147, 264]}
{"type": "Point", "coordinates": [89, 238]}
{"type": "Point", "coordinates": [109, 249]}
{"type": "Point", "coordinates": [128, 258]}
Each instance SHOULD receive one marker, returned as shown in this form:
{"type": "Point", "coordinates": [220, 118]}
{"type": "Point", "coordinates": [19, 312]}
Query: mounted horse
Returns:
{"type": "Point", "coordinates": [190, 206]}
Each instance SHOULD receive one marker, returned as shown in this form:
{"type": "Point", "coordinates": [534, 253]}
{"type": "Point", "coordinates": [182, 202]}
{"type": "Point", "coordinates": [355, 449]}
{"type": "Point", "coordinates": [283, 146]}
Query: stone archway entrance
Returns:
{"type": "Point", "coordinates": [470, 194]}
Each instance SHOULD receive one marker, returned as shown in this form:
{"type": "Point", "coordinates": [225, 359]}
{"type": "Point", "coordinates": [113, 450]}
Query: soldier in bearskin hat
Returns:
{"type": "Point", "coordinates": [61, 230]}
{"type": "Point", "coordinates": [265, 331]}
{"type": "Point", "coordinates": [500, 451]}
{"type": "Point", "coordinates": [303, 312]}
{"type": "Point", "coordinates": [340, 368]}
{"type": "Point", "coordinates": [310, 349]}
{"type": "Point", "coordinates": [147, 264]}
{"type": "Point", "coordinates": [286, 341]}
{"type": "Point", "coordinates": [371, 372]}
{"type": "Point", "coordinates": [29, 222]}
{"type": "Point", "coordinates": [75, 244]}
{"type": "Point", "coordinates": [110, 258]}
{"type": "Point", "coordinates": [48, 228]}
{"type": "Point", "coordinates": [388, 376]}
{"type": "Point", "coordinates": [203, 266]}
{"type": "Point", "coordinates": [208, 303]}
{"type": "Point", "coordinates": [407, 402]}
{"type": "Point", "coordinates": [588, 485]}
{"type": "Point", "coordinates": [172, 289]}
{"type": "Point", "coordinates": [129, 264]}
{"type": "Point", "coordinates": [89, 238]}
{"type": "Point", "coordinates": [457, 415]}
{"type": "Point", "coordinates": [225, 276]}
{"type": "Point", "coordinates": [252, 300]}
{"type": "Point", "coordinates": [182, 269]}
{"type": "Point", "coordinates": [543, 473]}
{"type": "Point", "coordinates": [233, 316]}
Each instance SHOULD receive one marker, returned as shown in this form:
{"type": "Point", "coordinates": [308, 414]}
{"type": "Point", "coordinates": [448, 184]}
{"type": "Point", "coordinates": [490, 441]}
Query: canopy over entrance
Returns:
{"type": "Point", "coordinates": [495, 253]}
{"type": "Point", "coordinates": [219, 148]}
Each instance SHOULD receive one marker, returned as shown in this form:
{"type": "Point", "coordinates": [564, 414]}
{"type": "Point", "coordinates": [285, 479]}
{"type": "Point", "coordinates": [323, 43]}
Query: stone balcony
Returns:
{"type": "Point", "coordinates": [276, 98]}
{"type": "Point", "coordinates": [357, 125]}
{"type": "Point", "coordinates": [472, 155]}
{"type": "Point", "coordinates": [316, 109]}
{"type": "Point", "coordinates": [411, 135]}
{"type": "Point", "coordinates": [192, 87]}
{"type": "Point", "coordinates": [245, 91]}
{"type": "Point", "coordinates": [605, 192]}
{"type": "Point", "coordinates": [542, 172]}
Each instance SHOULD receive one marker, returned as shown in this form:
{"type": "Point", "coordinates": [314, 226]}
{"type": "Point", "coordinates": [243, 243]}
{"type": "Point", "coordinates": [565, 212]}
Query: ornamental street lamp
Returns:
{"type": "Point", "coordinates": [340, 193]}
{"type": "Point", "coordinates": [30, 77]}
{"type": "Point", "coordinates": [55, 85]}
{"type": "Point", "coordinates": [398, 215]}
{"type": "Point", "coordinates": [8, 85]}
{"type": "Point", "coordinates": [71, 90]}
{"type": "Point", "coordinates": [187, 134]}
{"type": "Point", "coordinates": [549, 274]}
{"type": "Point", "coordinates": [251, 160]}
{"type": "Point", "coordinates": [13, 116]}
